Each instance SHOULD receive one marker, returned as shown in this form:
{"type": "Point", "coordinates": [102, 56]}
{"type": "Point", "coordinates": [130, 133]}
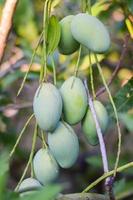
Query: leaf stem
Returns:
{"type": "Point", "coordinates": [108, 174]}
{"type": "Point", "coordinates": [115, 111]}
{"type": "Point", "coordinates": [54, 69]}
{"type": "Point", "coordinates": [31, 62]}
{"type": "Point", "coordinates": [43, 140]}
{"type": "Point", "coordinates": [30, 157]}
{"type": "Point", "coordinates": [77, 64]}
{"type": "Point", "coordinates": [20, 136]}
{"type": "Point", "coordinates": [91, 77]}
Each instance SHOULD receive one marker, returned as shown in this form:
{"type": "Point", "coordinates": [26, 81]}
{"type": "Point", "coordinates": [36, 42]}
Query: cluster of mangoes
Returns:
{"type": "Point", "coordinates": [83, 29]}
{"type": "Point", "coordinates": [56, 110]}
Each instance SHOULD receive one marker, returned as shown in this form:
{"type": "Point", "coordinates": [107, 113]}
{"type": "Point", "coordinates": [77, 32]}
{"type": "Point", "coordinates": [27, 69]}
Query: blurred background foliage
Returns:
{"type": "Point", "coordinates": [27, 26]}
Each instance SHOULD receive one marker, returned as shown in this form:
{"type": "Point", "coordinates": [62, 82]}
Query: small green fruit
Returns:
{"type": "Point", "coordinates": [45, 167]}
{"type": "Point", "coordinates": [88, 123]}
{"type": "Point", "coordinates": [29, 184]}
{"type": "Point", "coordinates": [67, 44]}
{"type": "Point", "coordinates": [47, 106]}
{"type": "Point", "coordinates": [90, 32]}
{"type": "Point", "coordinates": [74, 100]}
{"type": "Point", "coordinates": [64, 145]}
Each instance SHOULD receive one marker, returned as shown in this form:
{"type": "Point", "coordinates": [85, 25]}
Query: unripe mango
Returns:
{"type": "Point", "coordinates": [45, 167]}
{"type": "Point", "coordinates": [88, 123]}
{"type": "Point", "coordinates": [74, 100]}
{"type": "Point", "coordinates": [47, 106]}
{"type": "Point", "coordinates": [90, 32]}
{"type": "Point", "coordinates": [29, 184]}
{"type": "Point", "coordinates": [64, 145]}
{"type": "Point", "coordinates": [67, 44]}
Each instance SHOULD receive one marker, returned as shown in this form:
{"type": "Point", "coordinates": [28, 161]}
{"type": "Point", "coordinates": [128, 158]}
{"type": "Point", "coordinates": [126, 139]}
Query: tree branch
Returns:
{"type": "Point", "coordinates": [124, 51]}
{"type": "Point", "coordinates": [6, 23]}
{"type": "Point", "coordinates": [82, 196]}
{"type": "Point", "coordinates": [104, 176]}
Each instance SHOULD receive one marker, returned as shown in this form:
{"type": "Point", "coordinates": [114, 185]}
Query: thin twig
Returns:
{"type": "Point", "coordinates": [16, 106]}
{"type": "Point", "coordinates": [104, 176]}
{"type": "Point", "coordinates": [20, 136]}
{"type": "Point", "coordinates": [6, 23]}
{"type": "Point", "coordinates": [124, 51]}
{"type": "Point", "coordinates": [30, 157]}
{"type": "Point", "coordinates": [108, 184]}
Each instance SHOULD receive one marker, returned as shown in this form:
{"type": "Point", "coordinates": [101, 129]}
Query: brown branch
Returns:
{"type": "Point", "coordinates": [6, 23]}
{"type": "Point", "coordinates": [82, 196]}
{"type": "Point", "coordinates": [16, 106]}
{"type": "Point", "coordinates": [12, 67]}
{"type": "Point", "coordinates": [124, 51]}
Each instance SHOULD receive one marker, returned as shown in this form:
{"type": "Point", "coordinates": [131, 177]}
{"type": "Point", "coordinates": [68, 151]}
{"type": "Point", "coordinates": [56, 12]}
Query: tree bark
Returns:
{"type": "Point", "coordinates": [82, 196]}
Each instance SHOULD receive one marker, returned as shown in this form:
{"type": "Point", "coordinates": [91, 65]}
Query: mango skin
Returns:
{"type": "Point", "coordinates": [47, 106]}
{"type": "Point", "coordinates": [29, 184]}
{"type": "Point", "coordinates": [90, 32]}
{"type": "Point", "coordinates": [88, 124]}
{"type": "Point", "coordinates": [64, 145]}
{"type": "Point", "coordinates": [74, 100]}
{"type": "Point", "coordinates": [45, 167]}
{"type": "Point", "coordinates": [67, 44]}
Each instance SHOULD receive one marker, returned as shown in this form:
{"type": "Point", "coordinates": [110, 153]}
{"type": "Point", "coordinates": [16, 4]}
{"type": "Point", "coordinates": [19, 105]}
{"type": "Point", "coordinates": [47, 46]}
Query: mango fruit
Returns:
{"type": "Point", "coordinates": [90, 32]}
{"type": "Point", "coordinates": [47, 106]}
{"type": "Point", "coordinates": [88, 123]}
{"type": "Point", "coordinates": [67, 44]}
{"type": "Point", "coordinates": [64, 145]}
{"type": "Point", "coordinates": [45, 167]}
{"type": "Point", "coordinates": [74, 100]}
{"type": "Point", "coordinates": [29, 184]}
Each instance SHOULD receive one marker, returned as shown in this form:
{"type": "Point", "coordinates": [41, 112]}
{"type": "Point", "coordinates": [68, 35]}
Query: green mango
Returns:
{"type": "Point", "coordinates": [45, 167]}
{"type": "Point", "coordinates": [88, 123]}
{"type": "Point", "coordinates": [29, 184]}
{"type": "Point", "coordinates": [74, 100]}
{"type": "Point", "coordinates": [67, 44]}
{"type": "Point", "coordinates": [90, 32]}
{"type": "Point", "coordinates": [64, 145]}
{"type": "Point", "coordinates": [47, 106]}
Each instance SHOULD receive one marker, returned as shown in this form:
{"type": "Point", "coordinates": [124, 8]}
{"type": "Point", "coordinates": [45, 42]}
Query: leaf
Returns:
{"type": "Point", "coordinates": [130, 5]}
{"type": "Point", "coordinates": [123, 189]}
{"type": "Point", "coordinates": [47, 193]}
{"type": "Point", "coordinates": [127, 119]}
{"type": "Point", "coordinates": [54, 32]}
{"type": "Point", "coordinates": [123, 99]}
{"type": "Point", "coordinates": [98, 7]}
{"type": "Point", "coordinates": [3, 173]}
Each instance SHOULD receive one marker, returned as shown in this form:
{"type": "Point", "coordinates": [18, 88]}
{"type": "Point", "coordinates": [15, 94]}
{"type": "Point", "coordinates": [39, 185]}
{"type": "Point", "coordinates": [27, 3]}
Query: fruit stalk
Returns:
{"type": "Point", "coordinates": [30, 157]}
{"type": "Point", "coordinates": [20, 135]}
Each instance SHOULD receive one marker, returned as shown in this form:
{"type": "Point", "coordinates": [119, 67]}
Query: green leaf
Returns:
{"type": "Point", "coordinates": [47, 193]}
{"type": "Point", "coordinates": [130, 5]}
{"type": "Point", "coordinates": [123, 99]}
{"type": "Point", "coordinates": [127, 119]}
{"type": "Point", "coordinates": [98, 7]}
{"type": "Point", "coordinates": [123, 189]}
{"type": "Point", "coordinates": [54, 32]}
{"type": "Point", "coordinates": [3, 174]}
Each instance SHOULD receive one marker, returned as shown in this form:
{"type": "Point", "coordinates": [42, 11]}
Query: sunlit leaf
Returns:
{"type": "Point", "coordinates": [54, 32]}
